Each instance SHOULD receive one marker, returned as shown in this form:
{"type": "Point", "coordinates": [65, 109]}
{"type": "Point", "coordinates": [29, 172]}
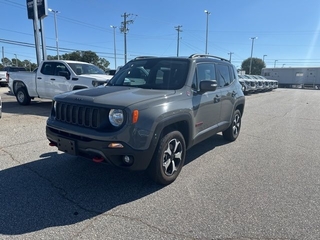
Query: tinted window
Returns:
{"type": "Point", "coordinates": [153, 74]}
{"type": "Point", "coordinates": [223, 73]}
{"type": "Point", "coordinates": [47, 68]}
{"type": "Point", "coordinates": [206, 71]}
{"type": "Point", "coordinates": [84, 68]}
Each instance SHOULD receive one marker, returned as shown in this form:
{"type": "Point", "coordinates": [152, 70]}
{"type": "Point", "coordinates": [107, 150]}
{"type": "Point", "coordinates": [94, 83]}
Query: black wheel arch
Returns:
{"type": "Point", "coordinates": [181, 123]}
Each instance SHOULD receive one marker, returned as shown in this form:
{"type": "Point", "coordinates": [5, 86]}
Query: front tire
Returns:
{"type": "Point", "coordinates": [232, 132]}
{"type": "Point", "coordinates": [168, 159]}
{"type": "Point", "coordinates": [22, 96]}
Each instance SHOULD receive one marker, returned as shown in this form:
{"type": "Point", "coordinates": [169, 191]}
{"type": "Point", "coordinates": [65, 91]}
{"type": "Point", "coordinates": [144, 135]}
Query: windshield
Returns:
{"type": "Point", "coordinates": [153, 74]}
{"type": "Point", "coordinates": [85, 68]}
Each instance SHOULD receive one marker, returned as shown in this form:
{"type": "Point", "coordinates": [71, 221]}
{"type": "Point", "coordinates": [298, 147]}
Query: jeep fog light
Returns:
{"type": "Point", "coordinates": [116, 117]}
{"type": "Point", "coordinates": [128, 160]}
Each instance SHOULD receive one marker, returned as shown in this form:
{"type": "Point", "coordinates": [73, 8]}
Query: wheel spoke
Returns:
{"type": "Point", "coordinates": [166, 164]}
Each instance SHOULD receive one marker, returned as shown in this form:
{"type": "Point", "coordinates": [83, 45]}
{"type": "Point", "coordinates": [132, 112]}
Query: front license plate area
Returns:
{"type": "Point", "coordinates": [66, 145]}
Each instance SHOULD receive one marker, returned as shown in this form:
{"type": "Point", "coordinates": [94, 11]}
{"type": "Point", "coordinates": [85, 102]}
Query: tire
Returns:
{"type": "Point", "coordinates": [168, 159]}
{"type": "Point", "coordinates": [232, 132]}
{"type": "Point", "coordinates": [22, 96]}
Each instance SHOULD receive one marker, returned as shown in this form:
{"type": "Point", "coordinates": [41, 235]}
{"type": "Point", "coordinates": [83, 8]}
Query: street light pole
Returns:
{"type": "Point", "coordinates": [56, 29]}
{"type": "Point", "coordinates": [263, 57]}
{"type": "Point", "coordinates": [114, 46]}
{"type": "Point", "coordinates": [275, 63]}
{"type": "Point", "coordinates": [253, 38]}
{"type": "Point", "coordinates": [207, 25]}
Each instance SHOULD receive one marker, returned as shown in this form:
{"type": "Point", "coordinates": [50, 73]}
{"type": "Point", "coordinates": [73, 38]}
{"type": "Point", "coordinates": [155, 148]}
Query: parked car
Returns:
{"type": "Point", "coordinates": [54, 77]}
{"type": "Point", "coordinates": [150, 113]}
{"type": "Point", "coordinates": [248, 84]}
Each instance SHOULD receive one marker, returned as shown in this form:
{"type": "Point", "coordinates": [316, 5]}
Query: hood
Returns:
{"type": "Point", "coordinates": [115, 95]}
{"type": "Point", "coordinates": [98, 77]}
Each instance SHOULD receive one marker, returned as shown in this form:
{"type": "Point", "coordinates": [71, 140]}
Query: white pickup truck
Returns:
{"type": "Point", "coordinates": [54, 77]}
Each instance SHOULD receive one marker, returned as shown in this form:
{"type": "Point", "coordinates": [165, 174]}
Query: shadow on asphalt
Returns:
{"type": "Point", "coordinates": [59, 189]}
{"type": "Point", "coordinates": [35, 108]}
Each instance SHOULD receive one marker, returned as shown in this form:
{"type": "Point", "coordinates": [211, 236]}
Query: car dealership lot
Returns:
{"type": "Point", "coordinates": [265, 185]}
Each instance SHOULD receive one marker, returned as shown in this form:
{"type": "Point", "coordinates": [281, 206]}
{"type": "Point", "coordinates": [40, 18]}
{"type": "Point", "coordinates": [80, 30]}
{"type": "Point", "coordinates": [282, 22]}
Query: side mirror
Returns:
{"type": "Point", "coordinates": [65, 74]}
{"type": "Point", "coordinates": [208, 85]}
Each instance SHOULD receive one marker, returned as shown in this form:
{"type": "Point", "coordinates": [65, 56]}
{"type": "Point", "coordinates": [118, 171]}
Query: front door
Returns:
{"type": "Point", "coordinates": [206, 106]}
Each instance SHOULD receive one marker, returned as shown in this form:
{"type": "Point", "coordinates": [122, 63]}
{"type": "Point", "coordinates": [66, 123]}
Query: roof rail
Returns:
{"type": "Point", "coordinates": [142, 57]}
{"type": "Point", "coordinates": [207, 56]}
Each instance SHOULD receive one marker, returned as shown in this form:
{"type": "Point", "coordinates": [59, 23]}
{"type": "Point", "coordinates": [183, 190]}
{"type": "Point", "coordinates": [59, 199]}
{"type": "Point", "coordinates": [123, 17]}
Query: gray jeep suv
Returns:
{"type": "Point", "coordinates": [150, 113]}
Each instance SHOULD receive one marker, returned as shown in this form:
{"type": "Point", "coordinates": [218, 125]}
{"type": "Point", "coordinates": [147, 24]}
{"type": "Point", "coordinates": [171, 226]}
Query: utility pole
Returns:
{"type": "Point", "coordinates": [3, 56]}
{"type": "Point", "coordinates": [178, 28]}
{"type": "Point", "coordinates": [252, 39]}
{"type": "Point", "coordinates": [230, 53]}
{"type": "Point", "coordinates": [124, 29]}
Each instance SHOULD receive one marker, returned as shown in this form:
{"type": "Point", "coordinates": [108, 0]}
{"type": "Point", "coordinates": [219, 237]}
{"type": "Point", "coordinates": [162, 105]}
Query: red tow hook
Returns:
{"type": "Point", "coordinates": [52, 144]}
{"type": "Point", "coordinates": [98, 159]}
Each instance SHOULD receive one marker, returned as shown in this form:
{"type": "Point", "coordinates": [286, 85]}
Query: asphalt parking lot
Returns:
{"type": "Point", "coordinates": [265, 185]}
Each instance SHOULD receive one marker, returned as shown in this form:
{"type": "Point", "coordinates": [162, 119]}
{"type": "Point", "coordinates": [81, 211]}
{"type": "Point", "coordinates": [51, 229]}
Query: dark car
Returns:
{"type": "Point", "coordinates": [150, 113]}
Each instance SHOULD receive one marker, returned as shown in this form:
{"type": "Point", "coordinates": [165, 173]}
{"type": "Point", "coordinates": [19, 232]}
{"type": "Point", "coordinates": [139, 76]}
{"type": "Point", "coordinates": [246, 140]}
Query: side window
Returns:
{"type": "Point", "coordinates": [205, 71]}
{"type": "Point", "coordinates": [223, 73]}
{"type": "Point", "coordinates": [232, 74]}
{"type": "Point", "coordinates": [195, 84]}
{"type": "Point", "coordinates": [59, 67]}
{"type": "Point", "coordinates": [47, 68]}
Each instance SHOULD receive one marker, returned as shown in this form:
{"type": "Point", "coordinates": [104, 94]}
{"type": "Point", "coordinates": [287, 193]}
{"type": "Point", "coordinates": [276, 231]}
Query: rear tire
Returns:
{"type": "Point", "coordinates": [232, 132]}
{"type": "Point", "coordinates": [22, 96]}
{"type": "Point", "coordinates": [168, 159]}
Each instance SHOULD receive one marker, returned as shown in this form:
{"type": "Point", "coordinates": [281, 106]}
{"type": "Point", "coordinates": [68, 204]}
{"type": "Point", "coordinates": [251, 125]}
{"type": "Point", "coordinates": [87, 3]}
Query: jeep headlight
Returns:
{"type": "Point", "coordinates": [116, 117]}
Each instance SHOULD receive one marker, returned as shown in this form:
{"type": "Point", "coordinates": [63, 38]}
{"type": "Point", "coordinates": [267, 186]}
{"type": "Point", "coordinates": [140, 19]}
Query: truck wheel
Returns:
{"type": "Point", "coordinates": [232, 132]}
{"type": "Point", "coordinates": [168, 159]}
{"type": "Point", "coordinates": [22, 96]}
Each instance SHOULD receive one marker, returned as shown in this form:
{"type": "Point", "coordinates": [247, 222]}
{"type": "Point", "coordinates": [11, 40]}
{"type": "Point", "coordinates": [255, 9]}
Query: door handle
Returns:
{"type": "Point", "coordinates": [52, 79]}
{"type": "Point", "coordinates": [39, 78]}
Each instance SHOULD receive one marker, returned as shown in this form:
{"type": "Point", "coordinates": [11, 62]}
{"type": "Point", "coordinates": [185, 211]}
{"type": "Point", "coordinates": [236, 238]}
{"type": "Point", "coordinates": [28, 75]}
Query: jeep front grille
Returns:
{"type": "Point", "coordinates": [85, 116]}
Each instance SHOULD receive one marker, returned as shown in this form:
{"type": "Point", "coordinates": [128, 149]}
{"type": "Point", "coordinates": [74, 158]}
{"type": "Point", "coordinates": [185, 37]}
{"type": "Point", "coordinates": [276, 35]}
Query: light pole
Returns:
{"type": "Point", "coordinates": [283, 65]}
{"type": "Point", "coordinates": [208, 13]}
{"type": "Point", "coordinates": [56, 29]}
{"type": "Point", "coordinates": [16, 60]}
{"type": "Point", "coordinates": [263, 57]}
{"type": "Point", "coordinates": [114, 46]}
{"type": "Point", "coordinates": [253, 38]}
{"type": "Point", "coordinates": [275, 63]}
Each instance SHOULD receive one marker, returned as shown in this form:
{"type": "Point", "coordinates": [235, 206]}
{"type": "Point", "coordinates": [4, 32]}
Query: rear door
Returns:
{"type": "Point", "coordinates": [226, 82]}
{"type": "Point", "coordinates": [50, 83]}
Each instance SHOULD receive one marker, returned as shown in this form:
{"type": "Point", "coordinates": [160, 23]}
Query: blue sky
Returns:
{"type": "Point", "coordinates": [287, 30]}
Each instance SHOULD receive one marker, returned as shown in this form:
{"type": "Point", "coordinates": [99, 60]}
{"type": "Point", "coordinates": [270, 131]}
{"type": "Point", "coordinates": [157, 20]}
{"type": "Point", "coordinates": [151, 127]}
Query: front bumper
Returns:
{"type": "Point", "coordinates": [93, 149]}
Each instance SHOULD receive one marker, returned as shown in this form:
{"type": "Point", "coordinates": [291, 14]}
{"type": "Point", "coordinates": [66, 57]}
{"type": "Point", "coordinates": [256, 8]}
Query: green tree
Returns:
{"type": "Point", "coordinates": [256, 67]}
{"type": "Point", "coordinates": [84, 56]}
{"type": "Point", "coordinates": [6, 61]}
